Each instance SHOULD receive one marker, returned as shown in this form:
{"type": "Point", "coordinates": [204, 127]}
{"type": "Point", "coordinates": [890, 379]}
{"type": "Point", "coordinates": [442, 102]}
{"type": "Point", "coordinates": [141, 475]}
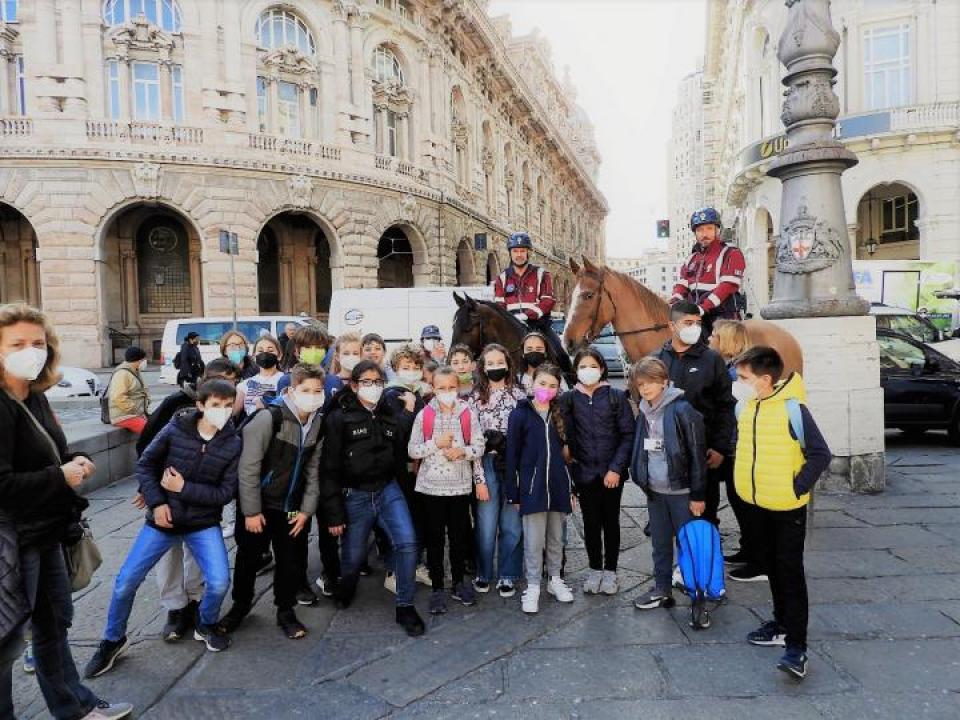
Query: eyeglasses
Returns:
{"type": "Point", "coordinates": [370, 383]}
{"type": "Point", "coordinates": [235, 346]}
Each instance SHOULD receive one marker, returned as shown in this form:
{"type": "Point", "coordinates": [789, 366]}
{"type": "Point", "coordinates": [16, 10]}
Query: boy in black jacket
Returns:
{"type": "Point", "coordinates": [187, 475]}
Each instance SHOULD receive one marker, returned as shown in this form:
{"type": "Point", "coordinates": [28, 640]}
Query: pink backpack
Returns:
{"type": "Point", "coordinates": [430, 417]}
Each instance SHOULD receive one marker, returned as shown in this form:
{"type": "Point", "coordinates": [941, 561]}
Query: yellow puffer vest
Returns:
{"type": "Point", "coordinates": [768, 458]}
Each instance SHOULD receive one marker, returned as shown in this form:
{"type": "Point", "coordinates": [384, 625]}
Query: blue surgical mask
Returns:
{"type": "Point", "coordinates": [236, 356]}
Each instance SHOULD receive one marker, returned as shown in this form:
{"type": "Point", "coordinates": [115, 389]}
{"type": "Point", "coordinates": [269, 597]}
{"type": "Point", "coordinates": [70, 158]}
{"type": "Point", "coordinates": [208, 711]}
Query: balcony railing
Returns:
{"type": "Point", "coordinates": [292, 146]}
{"type": "Point", "coordinates": [921, 117]}
{"type": "Point", "coordinates": [384, 162]}
{"type": "Point", "coordinates": [16, 127]}
{"type": "Point", "coordinates": [141, 132]}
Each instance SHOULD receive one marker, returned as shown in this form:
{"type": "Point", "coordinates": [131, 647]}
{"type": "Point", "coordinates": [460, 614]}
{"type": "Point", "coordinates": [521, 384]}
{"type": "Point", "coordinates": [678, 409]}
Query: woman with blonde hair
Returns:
{"type": "Point", "coordinates": [40, 512]}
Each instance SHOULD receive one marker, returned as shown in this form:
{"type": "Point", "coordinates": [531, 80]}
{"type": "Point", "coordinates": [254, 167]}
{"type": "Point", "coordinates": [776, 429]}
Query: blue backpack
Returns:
{"type": "Point", "coordinates": [700, 559]}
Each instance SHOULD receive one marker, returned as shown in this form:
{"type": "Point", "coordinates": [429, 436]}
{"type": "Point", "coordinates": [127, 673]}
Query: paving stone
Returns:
{"type": "Point", "coordinates": [929, 563]}
{"type": "Point", "coordinates": [941, 705]}
{"type": "Point", "coordinates": [729, 623]}
{"type": "Point", "coordinates": [907, 516]}
{"type": "Point", "coordinates": [880, 620]}
{"type": "Point", "coordinates": [893, 588]}
{"type": "Point", "coordinates": [872, 538]}
{"type": "Point", "coordinates": [900, 665]}
{"type": "Point", "coordinates": [826, 518]}
{"type": "Point", "coordinates": [857, 563]}
{"type": "Point", "coordinates": [615, 625]}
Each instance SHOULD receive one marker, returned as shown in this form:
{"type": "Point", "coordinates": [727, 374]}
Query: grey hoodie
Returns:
{"type": "Point", "coordinates": [657, 461]}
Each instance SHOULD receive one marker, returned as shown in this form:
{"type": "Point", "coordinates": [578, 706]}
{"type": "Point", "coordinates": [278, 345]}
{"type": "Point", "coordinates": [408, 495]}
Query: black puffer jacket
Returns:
{"type": "Point", "coordinates": [599, 433]}
{"type": "Point", "coordinates": [32, 488]}
{"type": "Point", "coordinates": [209, 470]}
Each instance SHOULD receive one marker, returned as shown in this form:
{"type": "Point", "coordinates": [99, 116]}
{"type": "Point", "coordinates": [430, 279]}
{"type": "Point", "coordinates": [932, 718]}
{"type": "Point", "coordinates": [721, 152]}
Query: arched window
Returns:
{"type": "Point", "coordinates": [163, 13]}
{"type": "Point", "coordinates": [280, 28]}
{"type": "Point", "coordinates": [386, 67]}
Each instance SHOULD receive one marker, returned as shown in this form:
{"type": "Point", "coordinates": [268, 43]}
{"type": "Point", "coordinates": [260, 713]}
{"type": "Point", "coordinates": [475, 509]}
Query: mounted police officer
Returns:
{"type": "Point", "coordinates": [526, 291]}
{"type": "Point", "coordinates": [712, 275]}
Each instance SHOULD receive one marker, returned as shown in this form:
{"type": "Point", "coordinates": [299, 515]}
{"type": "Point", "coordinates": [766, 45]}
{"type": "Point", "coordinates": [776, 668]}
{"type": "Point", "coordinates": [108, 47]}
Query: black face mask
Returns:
{"type": "Point", "coordinates": [534, 359]}
{"type": "Point", "coordinates": [266, 360]}
{"type": "Point", "coordinates": [496, 374]}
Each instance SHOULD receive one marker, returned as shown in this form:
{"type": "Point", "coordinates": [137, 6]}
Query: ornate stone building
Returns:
{"type": "Point", "coordinates": [347, 144]}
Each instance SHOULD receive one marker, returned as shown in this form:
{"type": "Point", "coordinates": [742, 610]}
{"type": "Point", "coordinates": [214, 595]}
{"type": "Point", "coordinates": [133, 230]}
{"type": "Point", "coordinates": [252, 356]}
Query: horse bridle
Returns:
{"type": "Point", "coordinates": [596, 315]}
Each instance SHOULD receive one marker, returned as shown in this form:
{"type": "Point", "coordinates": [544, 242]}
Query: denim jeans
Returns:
{"type": "Point", "coordinates": [151, 544]}
{"type": "Point", "coordinates": [387, 509]}
{"type": "Point", "coordinates": [498, 517]}
{"type": "Point", "coordinates": [47, 587]}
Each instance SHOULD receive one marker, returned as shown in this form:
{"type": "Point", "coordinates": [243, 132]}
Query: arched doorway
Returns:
{"type": "Point", "coordinates": [19, 277]}
{"type": "Point", "coordinates": [886, 223]}
{"type": "Point", "coordinates": [394, 259]}
{"type": "Point", "coordinates": [149, 274]}
{"type": "Point", "coordinates": [466, 273]}
{"type": "Point", "coordinates": [293, 272]}
{"type": "Point", "coordinates": [493, 268]}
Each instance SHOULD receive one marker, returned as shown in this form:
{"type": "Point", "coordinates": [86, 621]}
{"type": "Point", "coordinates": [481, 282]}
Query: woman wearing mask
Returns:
{"type": "Point", "coordinates": [534, 355]}
{"type": "Point", "coordinates": [498, 524]}
{"type": "Point", "coordinates": [259, 390]}
{"type": "Point", "coordinates": [38, 481]}
{"type": "Point", "coordinates": [235, 347]}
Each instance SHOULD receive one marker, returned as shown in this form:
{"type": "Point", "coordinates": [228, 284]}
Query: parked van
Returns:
{"type": "Point", "coordinates": [399, 314]}
{"type": "Point", "coordinates": [210, 331]}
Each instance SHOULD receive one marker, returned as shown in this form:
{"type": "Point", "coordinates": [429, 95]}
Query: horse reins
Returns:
{"type": "Point", "coordinates": [596, 316]}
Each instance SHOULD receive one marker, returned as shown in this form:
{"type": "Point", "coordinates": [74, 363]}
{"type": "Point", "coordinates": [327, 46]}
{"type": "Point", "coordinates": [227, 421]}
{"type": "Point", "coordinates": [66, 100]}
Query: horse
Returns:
{"type": "Point", "coordinates": [477, 323]}
{"type": "Point", "coordinates": [642, 320]}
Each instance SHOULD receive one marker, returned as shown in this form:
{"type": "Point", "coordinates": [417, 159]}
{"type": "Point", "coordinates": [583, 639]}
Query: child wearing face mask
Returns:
{"type": "Point", "coordinates": [462, 361]}
{"type": "Point", "coordinates": [375, 349]}
{"type": "Point", "coordinates": [308, 345]}
{"type": "Point", "coordinates": [537, 481]}
{"type": "Point", "coordinates": [347, 353]}
{"type": "Point", "coordinates": [187, 474]}
{"type": "Point", "coordinates": [534, 355]}
{"type": "Point", "coordinates": [279, 487]}
{"type": "Point", "coordinates": [599, 429]}
{"type": "Point", "coordinates": [257, 392]}
{"type": "Point", "coordinates": [446, 438]}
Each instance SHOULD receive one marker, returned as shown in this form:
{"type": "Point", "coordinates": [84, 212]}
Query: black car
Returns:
{"type": "Point", "coordinates": [921, 387]}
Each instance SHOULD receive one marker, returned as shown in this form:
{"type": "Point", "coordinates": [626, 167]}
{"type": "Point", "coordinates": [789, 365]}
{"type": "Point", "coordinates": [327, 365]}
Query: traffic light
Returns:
{"type": "Point", "coordinates": [663, 228]}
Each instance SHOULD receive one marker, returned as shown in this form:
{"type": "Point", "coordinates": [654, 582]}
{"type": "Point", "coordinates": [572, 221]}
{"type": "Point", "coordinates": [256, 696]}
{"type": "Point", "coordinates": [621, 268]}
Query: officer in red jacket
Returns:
{"type": "Point", "coordinates": [712, 275]}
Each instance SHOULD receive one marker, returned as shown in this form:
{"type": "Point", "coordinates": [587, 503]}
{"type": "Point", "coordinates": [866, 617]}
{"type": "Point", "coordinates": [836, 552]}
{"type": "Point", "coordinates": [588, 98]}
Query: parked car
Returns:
{"type": "Point", "coordinates": [921, 386]}
{"type": "Point", "coordinates": [76, 382]}
{"type": "Point", "coordinates": [607, 344]}
{"type": "Point", "coordinates": [919, 328]}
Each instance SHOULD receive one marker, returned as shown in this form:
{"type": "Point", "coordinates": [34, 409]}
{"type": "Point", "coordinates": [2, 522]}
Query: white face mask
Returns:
{"type": "Point", "coordinates": [589, 375]}
{"type": "Point", "coordinates": [143, 365]}
{"type": "Point", "coordinates": [349, 362]}
{"type": "Point", "coordinates": [447, 397]}
{"type": "Point", "coordinates": [743, 390]}
{"type": "Point", "coordinates": [370, 394]}
{"type": "Point", "coordinates": [25, 364]}
{"type": "Point", "coordinates": [217, 417]}
{"type": "Point", "coordinates": [430, 345]}
{"type": "Point", "coordinates": [410, 376]}
{"type": "Point", "coordinates": [308, 402]}
{"type": "Point", "coordinates": [690, 334]}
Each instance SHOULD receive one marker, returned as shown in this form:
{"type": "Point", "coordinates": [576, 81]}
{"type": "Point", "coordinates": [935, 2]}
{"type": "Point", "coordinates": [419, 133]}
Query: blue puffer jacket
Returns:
{"type": "Point", "coordinates": [536, 476]}
{"type": "Point", "coordinates": [209, 470]}
{"type": "Point", "coordinates": [600, 430]}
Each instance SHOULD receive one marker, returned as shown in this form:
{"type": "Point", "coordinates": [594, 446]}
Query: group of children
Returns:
{"type": "Point", "coordinates": [474, 455]}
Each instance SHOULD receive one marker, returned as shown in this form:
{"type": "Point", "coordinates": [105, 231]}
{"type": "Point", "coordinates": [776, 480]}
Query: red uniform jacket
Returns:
{"type": "Point", "coordinates": [711, 278]}
{"type": "Point", "coordinates": [531, 293]}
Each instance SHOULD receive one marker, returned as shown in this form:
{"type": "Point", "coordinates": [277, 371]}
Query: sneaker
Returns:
{"type": "Point", "coordinates": [292, 627]}
{"type": "Point", "coordinates": [463, 593]}
{"type": "Point", "coordinates": [233, 619]}
{"type": "Point", "coordinates": [29, 664]}
{"type": "Point", "coordinates": [481, 586]}
{"type": "Point", "coordinates": [306, 596]}
{"type": "Point", "coordinates": [213, 637]}
{"type": "Point", "coordinates": [748, 573]}
{"type": "Point", "coordinates": [228, 530]}
{"type": "Point", "coordinates": [591, 585]}
{"type": "Point", "coordinates": [654, 598]}
{"type": "Point", "coordinates": [326, 586]}
{"type": "Point", "coordinates": [365, 569]}
{"type": "Point", "coordinates": [610, 585]}
{"type": "Point", "coordinates": [768, 635]}
{"type": "Point", "coordinates": [737, 558]}
{"type": "Point", "coordinates": [794, 663]}
{"type": "Point", "coordinates": [530, 600]}
{"type": "Point", "coordinates": [109, 711]}
{"type": "Point", "coordinates": [560, 590]}
{"type": "Point", "coordinates": [423, 576]}
{"type": "Point", "coordinates": [172, 630]}
{"type": "Point", "coordinates": [677, 579]}
{"type": "Point", "coordinates": [411, 622]}
{"type": "Point", "coordinates": [265, 563]}
{"type": "Point", "coordinates": [438, 602]}
{"type": "Point", "coordinates": [506, 588]}
{"type": "Point", "coordinates": [103, 659]}
{"type": "Point", "coordinates": [390, 582]}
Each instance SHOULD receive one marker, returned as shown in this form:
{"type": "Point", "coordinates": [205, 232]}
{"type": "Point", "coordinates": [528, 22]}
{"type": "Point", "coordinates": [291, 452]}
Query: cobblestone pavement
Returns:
{"type": "Point", "coordinates": [884, 576]}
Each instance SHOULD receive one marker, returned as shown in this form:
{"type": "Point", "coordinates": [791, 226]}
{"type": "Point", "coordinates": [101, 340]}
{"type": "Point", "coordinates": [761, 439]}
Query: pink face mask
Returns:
{"type": "Point", "coordinates": [544, 395]}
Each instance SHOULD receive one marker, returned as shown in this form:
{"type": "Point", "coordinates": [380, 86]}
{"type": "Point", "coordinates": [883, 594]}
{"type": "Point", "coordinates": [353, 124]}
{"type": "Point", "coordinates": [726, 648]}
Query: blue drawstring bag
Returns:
{"type": "Point", "coordinates": [700, 559]}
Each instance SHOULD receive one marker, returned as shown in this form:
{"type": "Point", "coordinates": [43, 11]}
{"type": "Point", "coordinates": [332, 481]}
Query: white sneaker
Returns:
{"type": "Point", "coordinates": [560, 590]}
{"type": "Point", "coordinates": [530, 600]}
{"type": "Point", "coordinates": [592, 584]}
{"type": "Point", "coordinates": [107, 711]}
{"type": "Point", "coordinates": [610, 585]}
{"type": "Point", "coordinates": [390, 583]}
{"type": "Point", "coordinates": [678, 579]}
{"type": "Point", "coordinates": [423, 576]}
{"type": "Point", "coordinates": [228, 530]}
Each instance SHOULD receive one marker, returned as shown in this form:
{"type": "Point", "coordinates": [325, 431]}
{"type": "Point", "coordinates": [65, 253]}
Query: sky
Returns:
{"type": "Point", "coordinates": [626, 58]}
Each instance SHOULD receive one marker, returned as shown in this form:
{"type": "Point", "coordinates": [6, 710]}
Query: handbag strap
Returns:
{"type": "Point", "coordinates": [52, 446]}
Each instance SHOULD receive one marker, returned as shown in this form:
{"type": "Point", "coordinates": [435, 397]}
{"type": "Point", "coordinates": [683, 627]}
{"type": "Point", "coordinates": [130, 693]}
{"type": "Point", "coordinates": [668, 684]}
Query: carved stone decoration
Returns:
{"type": "Point", "coordinates": [461, 133]}
{"type": "Point", "coordinates": [808, 99]}
{"type": "Point", "coordinates": [288, 60]}
{"type": "Point", "coordinates": [408, 207]}
{"type": "Point", "coordinates": [807, 244]}
{"type": "Point", "coordinates": [146, 179]}
{"type": "Point", "coordinates": [301, 190]}
{"type": "Point", "coordinates": [487, 161]}
{"type": "Point", "coordinates": [140, 34]}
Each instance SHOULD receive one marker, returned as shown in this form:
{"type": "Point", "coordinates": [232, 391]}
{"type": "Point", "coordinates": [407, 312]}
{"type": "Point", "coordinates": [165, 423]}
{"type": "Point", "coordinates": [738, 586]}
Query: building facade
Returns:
{"type": "Point", "coordinates": [685, 171]}
{"type": "Point", "coordinates": [899, 91]}
{"type": "Point", "coordinates": [346, 144]}
{"type": "Point", "coordinates": [656, 269]}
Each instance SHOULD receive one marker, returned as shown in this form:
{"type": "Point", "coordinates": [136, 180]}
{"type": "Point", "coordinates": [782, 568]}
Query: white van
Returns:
{"type": "Point", "coordinates": [399, 314]}
{"type": "Point", "coordinates": [210, 331]}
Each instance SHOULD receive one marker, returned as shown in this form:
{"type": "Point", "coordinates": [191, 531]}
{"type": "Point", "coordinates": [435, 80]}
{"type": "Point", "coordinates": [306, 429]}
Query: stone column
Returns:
{"type": "Point", "coordinates": [273, 107]}
{"type": "Point", "coordinates": [166, 94]}
{"type": "Point", "coordinates": [5, 95]}
{"type": "Point", "coordinates": [126, 90]}
{"type": "Point", "coordinates": [130, 290]}
{"type": "Point", "coordinates": [814, 293]}
{"type": "Point", "coordinates": [357, 65]}
{"type": "Point", "coordinates": [71, 36]}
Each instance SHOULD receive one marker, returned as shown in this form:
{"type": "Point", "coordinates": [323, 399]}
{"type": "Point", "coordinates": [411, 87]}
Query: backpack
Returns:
{"type": "Point", "coordinates": [700, 560]}
{"type": "Point", "coordinates": [276, 413]}
{"type": "Point", "coordinates": [795, 415]}
{"type": "Point", "coordinates": [430, 417]}
{"type": "Point", "coordinates": [105, 397]}
{"type": "Point", "coordinates": [177, 361]}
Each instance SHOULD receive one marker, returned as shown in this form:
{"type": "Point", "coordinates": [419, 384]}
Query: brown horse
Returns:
{"type": "Point", "coordinates": [641, 319]}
